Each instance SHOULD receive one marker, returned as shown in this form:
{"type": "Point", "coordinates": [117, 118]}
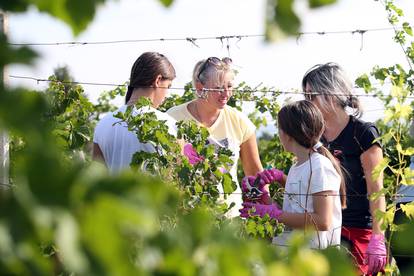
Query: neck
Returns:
{"type": "Point", "coordinates": [335, 124]}
{"type": "Point", "coordinates": [140, 92]}
{"type": "Point", "coordinates": [301, 153]}
{"type": "Point", "coordinates": [204, 113]}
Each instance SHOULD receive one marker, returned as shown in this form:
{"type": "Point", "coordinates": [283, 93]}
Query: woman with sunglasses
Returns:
{"type": "Point", "coordinates": [113, 144]}
{"type": "Point", "coordinates": [353, 142]}
{"type": "Point", "coordinates": [228, 127]}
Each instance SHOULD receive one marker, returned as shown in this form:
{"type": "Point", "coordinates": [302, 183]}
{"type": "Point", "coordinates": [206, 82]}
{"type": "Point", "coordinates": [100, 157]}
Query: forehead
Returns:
{"type": "Point", "coordinates": [220, 79]}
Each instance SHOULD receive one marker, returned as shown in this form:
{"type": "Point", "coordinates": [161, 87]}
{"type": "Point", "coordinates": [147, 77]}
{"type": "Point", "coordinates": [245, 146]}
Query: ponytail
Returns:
{"type": "Point", "coordinates": [128, 94]}
{"type": "Point", "coordinates": [342, 189]}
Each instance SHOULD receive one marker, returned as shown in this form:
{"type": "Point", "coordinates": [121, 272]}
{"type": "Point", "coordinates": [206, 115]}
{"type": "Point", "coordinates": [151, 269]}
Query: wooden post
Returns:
{"type": "Point", "coordinates": [4, 137]}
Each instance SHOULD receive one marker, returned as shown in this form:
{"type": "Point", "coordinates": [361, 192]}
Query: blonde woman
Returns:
{"type": "Point", "coordinates": [229, 128]}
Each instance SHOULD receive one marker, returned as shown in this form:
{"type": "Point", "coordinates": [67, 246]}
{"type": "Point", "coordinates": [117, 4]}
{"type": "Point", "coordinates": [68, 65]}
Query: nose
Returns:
{"type": "Point", "coordinates": [226, 92]}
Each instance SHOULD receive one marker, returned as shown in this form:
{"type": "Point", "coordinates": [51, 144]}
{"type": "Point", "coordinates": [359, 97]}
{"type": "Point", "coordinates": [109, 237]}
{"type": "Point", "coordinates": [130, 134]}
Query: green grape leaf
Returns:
{"type": "Point", "coordinates": [320, 3]}
{"type": "Point", "coordinates": [166, 3]}
{"type": "Point", "coordinates": [380, 168]}
{"type": "Point", "coordinates": [408, 209]}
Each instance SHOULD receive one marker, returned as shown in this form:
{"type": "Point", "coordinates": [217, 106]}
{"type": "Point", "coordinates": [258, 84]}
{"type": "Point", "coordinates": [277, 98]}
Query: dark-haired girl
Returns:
{"type": "Point", "coordinates": [151, 76]}
{"type": "Point", "coordinates": [314, 183]}
{"type": "Point", "coordinates": [354, 143]}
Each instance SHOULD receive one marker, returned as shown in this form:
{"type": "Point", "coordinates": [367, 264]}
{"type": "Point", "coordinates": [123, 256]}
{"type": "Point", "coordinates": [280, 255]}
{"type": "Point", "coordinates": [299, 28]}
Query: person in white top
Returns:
{"type": "Point", "coordinates": [151, 76]}
{"type": "Point", "coordinates": [315, 187]}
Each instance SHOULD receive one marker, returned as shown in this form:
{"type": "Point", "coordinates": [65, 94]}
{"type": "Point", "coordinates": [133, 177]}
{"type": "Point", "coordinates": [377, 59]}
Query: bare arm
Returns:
{"type": "Point", "coordinates": [249, 156]}
{"type": "Point", "coordinates": [97, 154]}
{"type": "Point", "coordinates": [369, 160]}
{"type": "Point", "coordinates": [321, 218]}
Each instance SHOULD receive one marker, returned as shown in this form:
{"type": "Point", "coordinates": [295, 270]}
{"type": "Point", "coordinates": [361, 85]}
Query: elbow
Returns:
{"type": "Point", "coordinates": [324, 225]}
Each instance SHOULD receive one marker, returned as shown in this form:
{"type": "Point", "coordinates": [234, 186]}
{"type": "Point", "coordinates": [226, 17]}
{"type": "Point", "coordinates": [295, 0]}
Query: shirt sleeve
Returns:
{"type": "Point", "coordinates": [324, 178]}
{"type": "Point", "coordinates": [249, 128]}
{"type": "Point", "coordinates": [368, 136]}
{"type": "Point", "coordinates": [97, 133]}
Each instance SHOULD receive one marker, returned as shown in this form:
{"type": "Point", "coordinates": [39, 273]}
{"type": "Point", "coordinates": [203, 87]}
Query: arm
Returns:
{"type": "Point", "coordinates": [97, 154]}
{"type": "Point", "coordinates": [321, 218]}
{"type": "Point", "coordinates": [369, 159]}
{"type": "Point", "coordinates": [249, 156]}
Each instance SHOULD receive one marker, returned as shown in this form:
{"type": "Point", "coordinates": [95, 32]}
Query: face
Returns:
{"type": "Point", "coordinates": [161, 91]}
{"type": "Point", "coordinates": [284, 139]}
{"type": "Point", "coordinates": [221, 91]}
{"type": "Point", "coordinates": [316, 100]}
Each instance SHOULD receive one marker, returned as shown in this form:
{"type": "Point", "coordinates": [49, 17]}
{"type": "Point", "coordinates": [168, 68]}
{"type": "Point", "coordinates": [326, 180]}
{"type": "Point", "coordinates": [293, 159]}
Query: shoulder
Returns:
{"type": "Point", "coordinates": [319, 160]}
{"type": "Point", "coordinates": [109, 118]}
{"type": "Point", "coordinates": [235, 114]}
{"type": "Point", "coordinates": [178, 112]}
{"type": "Point", "coordinates": [162, 115]}
{"type": "Point", "coordinates": [324, 165]}
{"type": "Point", "coordinates": [365, 133]}
{"type": "Point", "coordinates": [324, 175]}
{"type": "Point", "coordinates": [363, 127]}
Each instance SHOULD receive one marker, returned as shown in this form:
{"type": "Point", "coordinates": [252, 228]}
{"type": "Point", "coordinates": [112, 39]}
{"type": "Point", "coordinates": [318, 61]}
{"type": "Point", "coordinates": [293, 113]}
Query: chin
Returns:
{"type": "Point", "coordinates": [221, 105]}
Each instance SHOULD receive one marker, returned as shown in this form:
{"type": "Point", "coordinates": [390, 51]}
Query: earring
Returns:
{"type": "Point", "coordinates": [202, 94]}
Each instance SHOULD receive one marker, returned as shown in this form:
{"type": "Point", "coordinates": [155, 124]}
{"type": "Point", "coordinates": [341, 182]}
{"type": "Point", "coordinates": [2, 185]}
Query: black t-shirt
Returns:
{"type": "Point", "coordinates": [357, 137]}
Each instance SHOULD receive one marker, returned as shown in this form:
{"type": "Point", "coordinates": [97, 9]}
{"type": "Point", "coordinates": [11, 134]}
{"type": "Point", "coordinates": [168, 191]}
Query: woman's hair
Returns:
{"type": "Point", "coordinates": [146, 69]}
{"type": "Point", "coordinates": [330, 81]}
{"type": "Point", "coordinates": [303, 122]}
{"type": "Point", "coordinates": [211, 69]}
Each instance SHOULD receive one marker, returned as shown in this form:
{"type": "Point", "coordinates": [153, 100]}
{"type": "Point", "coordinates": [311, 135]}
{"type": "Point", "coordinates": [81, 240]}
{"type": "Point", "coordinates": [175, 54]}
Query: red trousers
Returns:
{"type": "Point", "coordinates": [357, 239]}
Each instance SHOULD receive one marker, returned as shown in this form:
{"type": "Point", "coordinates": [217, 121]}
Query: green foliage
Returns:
{"type": "Point", "coordinates": [68, 217]}
{"type": "Point", "coordinates": [9, 55]}
{"type": "Point", "coordinates": [396, 143]}
{"type": "Point", "coordinates": [175, 99]}
{"type": "Point", "coordinates": [320, 3]}
{"type": "Point", "coordinates": [282, 19]}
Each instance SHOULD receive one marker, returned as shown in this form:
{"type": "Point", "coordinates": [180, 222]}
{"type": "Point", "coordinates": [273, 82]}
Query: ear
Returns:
{"type": "Point", "coordinates": [157, 81]}
{"type": "Point", "coordinates": [199, 86]}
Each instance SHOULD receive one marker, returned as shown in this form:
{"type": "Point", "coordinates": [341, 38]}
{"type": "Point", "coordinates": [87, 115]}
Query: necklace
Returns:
{"type": "Point", "coordinates": [196, 114]}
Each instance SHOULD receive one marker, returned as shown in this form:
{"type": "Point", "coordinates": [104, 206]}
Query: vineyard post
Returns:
{"type": "Point", "coordinates": [4, 137]}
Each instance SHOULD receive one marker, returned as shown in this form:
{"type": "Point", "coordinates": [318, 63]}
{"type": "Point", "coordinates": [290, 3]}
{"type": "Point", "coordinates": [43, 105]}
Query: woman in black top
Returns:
{"type": "Point", "coordinates": [352, 142]}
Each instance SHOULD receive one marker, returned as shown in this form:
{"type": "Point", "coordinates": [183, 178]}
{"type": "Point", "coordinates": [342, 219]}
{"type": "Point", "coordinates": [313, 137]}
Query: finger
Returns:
{"type": "Point", "coordinates": [374, 265]}
{"type": "Point", "coordinates": [244, 215]}
{"type": "Point", "coordinates": [381, 264]}
{"type": "Point", "coordinates": [265, 176]}
{"type": "Point", "coordinates": [248, 205]}
{"type": "Point", "coordinates": [370, 266]}
{"type": "Point", "coordinates": [251, 179]}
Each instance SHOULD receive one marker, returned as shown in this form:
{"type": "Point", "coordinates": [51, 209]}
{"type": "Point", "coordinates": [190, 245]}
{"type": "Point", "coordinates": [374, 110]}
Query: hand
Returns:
{"type": "Point", "coordinates": [192, 154]}
{"type": "Point", "coordinates": [376, 255]}
{"type": "Point", "coordinates": [248, 183]}
{"type": "Point", "coordinates": [271, 175]}
{"type": "Point", "coordinates": [260, 210]}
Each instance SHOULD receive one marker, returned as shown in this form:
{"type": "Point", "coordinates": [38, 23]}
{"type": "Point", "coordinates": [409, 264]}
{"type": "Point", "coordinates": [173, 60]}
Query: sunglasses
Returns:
{"type": "Point", "coordinates": [215, 61]}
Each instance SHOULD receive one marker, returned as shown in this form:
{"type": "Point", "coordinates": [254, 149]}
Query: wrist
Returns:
{"type": "Point", "coordinates": [377, 236]}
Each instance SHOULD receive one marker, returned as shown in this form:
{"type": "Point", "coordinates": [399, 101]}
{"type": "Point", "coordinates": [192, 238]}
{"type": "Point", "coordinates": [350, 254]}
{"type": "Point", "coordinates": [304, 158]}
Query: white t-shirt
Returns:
{"type": "Point", "coordinates": [231, 129]}
{"type": "Point", "coordinates": [324, 178]}
{"type": "Point", "coordinates": [118, 144]}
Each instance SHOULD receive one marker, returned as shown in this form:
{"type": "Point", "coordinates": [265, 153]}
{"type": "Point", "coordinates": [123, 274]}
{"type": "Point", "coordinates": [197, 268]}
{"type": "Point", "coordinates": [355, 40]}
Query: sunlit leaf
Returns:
{"type": "Point", "coordinates": [320, 3]}
{"type": "Point", "coordinates": [166, 3]}
{"type": "Point", "coordinates": [379, 169]}
{"type": "Point", "coordinates": [407, 28]}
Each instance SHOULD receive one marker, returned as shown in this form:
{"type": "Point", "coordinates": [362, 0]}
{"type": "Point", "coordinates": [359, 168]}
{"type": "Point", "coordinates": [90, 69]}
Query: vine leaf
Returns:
{"type": "Point", "coordinates": [408, 209]}
{"type": "Point", "coordinates": [380, 168]}
{"type": "Point", "coordinates": [166, 3]}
